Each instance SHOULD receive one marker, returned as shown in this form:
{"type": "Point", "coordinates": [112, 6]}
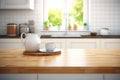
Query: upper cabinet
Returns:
{"type": "Point", "coordinates": [17, 4]}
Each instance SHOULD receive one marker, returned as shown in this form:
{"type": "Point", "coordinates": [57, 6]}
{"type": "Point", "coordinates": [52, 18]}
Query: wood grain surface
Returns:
{"type": "Point", "coordinates": [69, 61]}
{"type": "Point", "coordinates": [42, 53]}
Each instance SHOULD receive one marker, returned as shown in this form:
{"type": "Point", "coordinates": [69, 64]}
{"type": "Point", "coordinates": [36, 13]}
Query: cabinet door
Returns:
{"type": "Point", "coordinates": [111, 76]}
{"type": "Point", "coordinates": [11, 43]}
{"type": "Point", "coordinates": [110, 43]}
{"type": "Point", "coordinates": [18, 76]}
{"type": "Point", "coordinates": [42, 45]}
{"type": "Point", "coordinates": [60, 43]}
{"type": "Point", "coordinates": [70, 77]}
{"type": "Point", "coordinates": [17, 4]}
{"type": "Point", "coordinates": [82, 43]}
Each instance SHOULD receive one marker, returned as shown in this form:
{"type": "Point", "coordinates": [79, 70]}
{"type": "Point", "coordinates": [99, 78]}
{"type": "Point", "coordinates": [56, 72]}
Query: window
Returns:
{"type": "Point", "coordinates": [61, 15]}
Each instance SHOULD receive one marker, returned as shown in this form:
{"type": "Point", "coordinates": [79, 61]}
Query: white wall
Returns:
{"type": "Point", "coordinates": [21, 16]}
{"type": "Point", "coordinates": [103, 13]}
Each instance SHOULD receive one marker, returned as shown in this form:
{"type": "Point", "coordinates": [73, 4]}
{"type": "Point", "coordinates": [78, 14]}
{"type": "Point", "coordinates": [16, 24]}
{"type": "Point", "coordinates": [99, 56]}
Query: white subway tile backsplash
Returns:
{"type": "Point", "coordinates": [21, 16]}
{"type": "Point", "coordinates": [104, 13]}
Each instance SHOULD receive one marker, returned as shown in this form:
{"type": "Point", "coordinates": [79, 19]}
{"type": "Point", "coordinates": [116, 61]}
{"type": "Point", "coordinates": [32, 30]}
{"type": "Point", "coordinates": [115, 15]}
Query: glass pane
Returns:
{"type": "Point", "coordinates": [75, 12]}
{"type": "Point", "coordinates": [62, 13]}
{"type": "Point", "coordinates": [54, 10]}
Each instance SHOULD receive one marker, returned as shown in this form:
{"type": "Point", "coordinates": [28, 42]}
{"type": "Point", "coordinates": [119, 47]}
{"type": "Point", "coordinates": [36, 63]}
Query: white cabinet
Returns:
{"type": "Point", "coordinates": [70, 77]}
{"type": "Point", "coordinates": [17, 4]}
{"type": "Point", "coordinates": [17, 43]}
{"type": "Point", "coordinates": [42, 45]}
{"type": "Point", "coordinates": [86, 43]}
{"type": "Point", "coordinates": [93, 43]}
{"type": "Point", "coordinates": [60, 43]}
{"type": "Point", "coordinates": [111, 76]}
{"type": "Point", "coordinates": [82, 43]}
{"type": "Point", "coordinates": [18, 76]}
{"type": "Point", "coordinates": [65, 43]}
{"type": "Point", "coordinates": [110, 43]}
{"type": "Point", "coordinates": [11, 43]}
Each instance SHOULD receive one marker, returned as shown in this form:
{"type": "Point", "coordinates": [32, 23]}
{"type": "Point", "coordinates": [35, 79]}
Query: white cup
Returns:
{"type": "Point", "coordinates": [50, 46]}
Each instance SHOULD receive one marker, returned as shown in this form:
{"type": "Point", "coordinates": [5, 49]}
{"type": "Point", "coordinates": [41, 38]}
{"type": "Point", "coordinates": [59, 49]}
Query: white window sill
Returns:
{"type": "Point", "coordinates": [65, 31]}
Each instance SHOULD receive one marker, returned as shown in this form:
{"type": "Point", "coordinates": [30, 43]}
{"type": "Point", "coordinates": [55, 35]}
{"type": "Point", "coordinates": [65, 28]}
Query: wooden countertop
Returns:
{"type": "Point", "coordinates": [69, 61]}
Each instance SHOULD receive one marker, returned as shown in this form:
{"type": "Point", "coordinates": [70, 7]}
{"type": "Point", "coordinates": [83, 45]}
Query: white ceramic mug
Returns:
{"type": "Point", "coordinates": [50, 46]}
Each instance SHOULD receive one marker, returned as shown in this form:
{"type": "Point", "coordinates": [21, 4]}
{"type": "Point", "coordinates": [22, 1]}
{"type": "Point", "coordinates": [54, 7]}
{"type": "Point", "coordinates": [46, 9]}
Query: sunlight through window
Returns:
{"type": "Point", "coordinates": [60, 15]}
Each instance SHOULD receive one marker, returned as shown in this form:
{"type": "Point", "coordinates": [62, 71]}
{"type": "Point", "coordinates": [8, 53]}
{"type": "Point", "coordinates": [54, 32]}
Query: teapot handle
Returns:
{"type": "Point", "coordinates": [23, 37]}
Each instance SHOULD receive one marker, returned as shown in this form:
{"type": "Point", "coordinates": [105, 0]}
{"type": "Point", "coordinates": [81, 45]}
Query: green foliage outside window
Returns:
{"type": "Point", "coordinates": [55, 17]}
{"type": "Point", "coordinates": [77, 12]}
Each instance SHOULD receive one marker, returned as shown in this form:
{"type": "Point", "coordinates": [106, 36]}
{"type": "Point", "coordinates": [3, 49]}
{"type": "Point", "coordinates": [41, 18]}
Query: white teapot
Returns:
{"type": "Point", "coordinates": [31, 42]}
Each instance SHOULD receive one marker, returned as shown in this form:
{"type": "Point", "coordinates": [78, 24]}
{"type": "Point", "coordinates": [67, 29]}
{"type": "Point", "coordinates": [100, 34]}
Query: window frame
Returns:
{"type": "Point", "coordinates": [86, 18]}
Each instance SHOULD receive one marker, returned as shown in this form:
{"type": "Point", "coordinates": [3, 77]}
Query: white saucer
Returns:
{"type": "Point", "coordinates": [44, 50]}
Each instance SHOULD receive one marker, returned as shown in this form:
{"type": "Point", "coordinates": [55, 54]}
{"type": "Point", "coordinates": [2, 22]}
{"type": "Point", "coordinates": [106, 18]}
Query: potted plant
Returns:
{"type": "Point", "coordinates": [85, 25]}
{"type": "Point", "coordinates": [74, 27]}
{"type": "Point", "coordinates": [59, 26]}
{"type": "Point", "coordinates": [46, 25]}
{"type": "Point", "coordinates": [69, 27]}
